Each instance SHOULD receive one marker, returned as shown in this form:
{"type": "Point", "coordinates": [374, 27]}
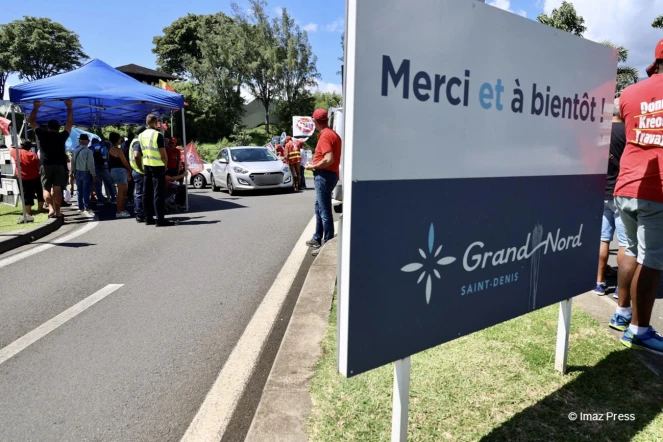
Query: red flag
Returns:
{"type": "Point", "coordinates": [194, 163]}
{"type": "Point", "coordinates": [4, 126]}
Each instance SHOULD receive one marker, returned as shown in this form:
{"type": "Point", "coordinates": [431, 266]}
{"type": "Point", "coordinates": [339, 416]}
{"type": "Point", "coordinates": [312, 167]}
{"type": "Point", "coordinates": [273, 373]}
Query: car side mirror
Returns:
{"type": "Point", "coordinates": [223, 161]}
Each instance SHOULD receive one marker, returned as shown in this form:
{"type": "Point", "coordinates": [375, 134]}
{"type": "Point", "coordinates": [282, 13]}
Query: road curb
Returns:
{"type": "Point", "coordinates": [286, 401]}
{"type": "Point", "coordinates": [19, 238]}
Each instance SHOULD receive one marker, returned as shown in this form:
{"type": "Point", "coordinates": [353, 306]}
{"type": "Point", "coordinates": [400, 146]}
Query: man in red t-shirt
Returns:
{"type": "Point", "coordinates": [325, 167]}
{"type": "Point", "coordinates": [30, 177]}
{"type": "Point", "coordinates": [639, 198]}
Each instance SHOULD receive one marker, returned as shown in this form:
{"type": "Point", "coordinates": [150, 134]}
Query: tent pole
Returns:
{"type": "Point", "coordinates": [171, 125]}
{"type": "Point", "coordinates": [186, 169]}
{"type": "Point", "coordinates": [18, 159]}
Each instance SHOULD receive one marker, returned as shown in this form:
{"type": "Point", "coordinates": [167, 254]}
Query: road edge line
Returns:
{"type": "Point", "coordinates": [214, 414]}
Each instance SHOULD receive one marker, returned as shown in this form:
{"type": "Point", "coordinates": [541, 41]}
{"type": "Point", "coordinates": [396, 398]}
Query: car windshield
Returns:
{"type": "Point", "coordinates": [251, 155]}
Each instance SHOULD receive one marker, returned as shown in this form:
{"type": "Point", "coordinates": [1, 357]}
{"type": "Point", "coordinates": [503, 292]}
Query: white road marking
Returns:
{"type": "Point", "coordinates": [212, 418]}
{"type": "Point", "coordinates": [26, 340]}
{"type": "Point", "coordinates": [19, 256]}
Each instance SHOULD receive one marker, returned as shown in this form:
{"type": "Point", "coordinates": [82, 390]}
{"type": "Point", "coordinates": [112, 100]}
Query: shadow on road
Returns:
{"type": "Point", "coordinates": [186, 221]}
{"type": "Point", "coordinates": [204, 203]}
{"type": "Point", "coordinates": [618, 384]}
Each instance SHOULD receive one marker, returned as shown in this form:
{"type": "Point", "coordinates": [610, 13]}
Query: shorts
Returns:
{"type": "Point", "coordinates": [119, 176]}
{"type": "Point", "coordinates": [643, 224]}
{"type": "Point", "coordinates": [53, 176]}
{"type": "Point", "coordinates": [32, 188]}
{"type": "Point", "coordinates": [611, 222]}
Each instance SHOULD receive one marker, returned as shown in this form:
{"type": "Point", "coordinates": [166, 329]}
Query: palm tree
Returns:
{"type": "Point", "coordinates": [626, 75]}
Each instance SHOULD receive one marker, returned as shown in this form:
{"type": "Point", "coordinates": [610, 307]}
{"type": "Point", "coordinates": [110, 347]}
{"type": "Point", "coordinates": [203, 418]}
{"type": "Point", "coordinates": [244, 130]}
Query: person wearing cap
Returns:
{"type": "Point", "coordinates": [293, 158]}
{"type": "Point", "coordinates": [639, 198]}
{"type": "Point", "coordinates": [84, 171]}
{"type": "Point", "coordinates": [611, 220]}
{"type": "Point", "coordinates": [30, 177]}
{"type": "Point", "coordinates": [325, 168]}
{"type": "Point", "coordinates": [53, 156]}
{"type": "Point", "coordinates": [174, 159]}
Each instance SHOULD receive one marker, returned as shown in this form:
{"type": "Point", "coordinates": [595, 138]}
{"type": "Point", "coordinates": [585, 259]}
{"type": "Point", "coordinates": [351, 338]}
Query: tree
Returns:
{"type": "Point", "coordinates": [297, 71]}
{"type": "Point", "coordinates": [39, 48]}
{"type": "Point", "coordinates": [626, 75]}
{"type": "Point", "coordinates": [205, 48]}
{"type": "Point", "coordinates": [342, 57]}
{"type": "Point", "coordinates": [179, 45]}
{"type": "Point", "coordinates": [564, 18]}
{"type": "Point", "coordinates": [5, 62]}
{"type": "Point", "coordinates": [658, 22]}
{"type": "Point", "coordinates": [325, 100]}
{"type": "Point", "coordinates": [260, 49]}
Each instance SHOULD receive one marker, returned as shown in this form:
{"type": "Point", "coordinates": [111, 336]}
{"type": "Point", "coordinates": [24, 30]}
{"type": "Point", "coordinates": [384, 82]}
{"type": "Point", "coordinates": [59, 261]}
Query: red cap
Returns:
{"type": "Point", "coordinates": [658, 55]}
{"type": "Point", "coordinates": [320, 115]}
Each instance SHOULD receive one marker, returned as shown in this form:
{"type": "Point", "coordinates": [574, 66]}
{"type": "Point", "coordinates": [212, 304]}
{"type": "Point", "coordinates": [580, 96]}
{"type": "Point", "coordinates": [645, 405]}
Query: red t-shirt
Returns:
{"type": "Point", "coordinates": [29, 164]}
{"type": "Point", "coordinates": [173, 155]}
{"type": "Point", "coordinates": [641, 165]}
{"type": "Point", "coordinates": [328, 141]}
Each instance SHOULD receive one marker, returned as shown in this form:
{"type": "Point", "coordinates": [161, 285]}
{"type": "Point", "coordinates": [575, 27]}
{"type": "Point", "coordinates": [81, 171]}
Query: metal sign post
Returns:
{"type": "Point", "coordinates": [401, 400]}
{"type": "Point", "coordinates": [563, 327]}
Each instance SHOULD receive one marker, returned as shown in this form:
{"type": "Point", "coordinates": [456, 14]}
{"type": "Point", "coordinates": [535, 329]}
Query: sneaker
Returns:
{"type": "Point", "coordinates": [150, 222]}
{"type": "Point", "coordinates": [313, 243]}
{"type": "Point", "coordinates": [316, 252]}
{"type": "Point", "coordinates": [600, 288]}
{"type": "Point", "coordinates": [650, 341]}
{"type": "Point", "coordinates": [123, 214]}
{"type": "Point", "coordinates": [619, 322]}
{"type": "Point", "coordinates": [616, 294]}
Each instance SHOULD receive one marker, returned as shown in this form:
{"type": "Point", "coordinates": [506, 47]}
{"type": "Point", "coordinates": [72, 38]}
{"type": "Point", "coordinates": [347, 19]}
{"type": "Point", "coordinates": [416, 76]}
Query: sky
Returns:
{"type": "Point", "coordinates": [118, 33]}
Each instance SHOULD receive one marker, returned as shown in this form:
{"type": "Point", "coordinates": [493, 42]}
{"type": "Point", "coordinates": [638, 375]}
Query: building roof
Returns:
{"type": "Point", "coordinates": [141, 73]}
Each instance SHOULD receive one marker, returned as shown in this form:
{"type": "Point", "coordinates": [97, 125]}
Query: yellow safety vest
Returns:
{"type": "Point", "coordinates": [132, 159]}
{"type": "Point", "coordinates": [148, 144]}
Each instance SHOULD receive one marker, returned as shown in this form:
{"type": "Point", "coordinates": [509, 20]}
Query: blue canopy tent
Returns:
{"type": "Point", "coordinates": [101, 95]}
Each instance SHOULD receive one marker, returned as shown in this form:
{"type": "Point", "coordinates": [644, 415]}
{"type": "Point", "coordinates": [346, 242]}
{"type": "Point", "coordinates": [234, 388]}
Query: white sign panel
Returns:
{"type": "Point", "coordinates": [302, 126]}
{"type": "Point", "coordinates": [476, 149]}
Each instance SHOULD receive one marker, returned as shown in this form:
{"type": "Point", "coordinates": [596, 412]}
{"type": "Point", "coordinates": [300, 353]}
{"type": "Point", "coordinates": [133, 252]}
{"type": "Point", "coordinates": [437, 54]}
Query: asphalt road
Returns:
{"type": "Point", "coordinates": [137, 365]}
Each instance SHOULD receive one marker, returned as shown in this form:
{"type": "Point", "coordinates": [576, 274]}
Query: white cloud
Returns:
{"type": "Point", "coordinates": [623, 22]}
{"type": "Point", "coordinates": [337, 26]}
{"type": "Point", "coordinates": [311, 27]}
{"type": "Point", "coordinates": [246, 94]}
{"type": "Point", "coordinates": [278, 11]}
{"type": "Point", "coordinates": [506, 5]}
{"type": "Point", "coordinates": [323, 86]}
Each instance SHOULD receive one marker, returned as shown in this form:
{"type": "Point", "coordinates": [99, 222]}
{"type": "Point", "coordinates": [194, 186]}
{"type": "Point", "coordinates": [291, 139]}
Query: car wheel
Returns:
{"type": "Point", "coordinates": [230, 187]}
{"type": "Point", "coordinates": [215, 188]}
{"type": "Point", "coordinates": [199, 182]}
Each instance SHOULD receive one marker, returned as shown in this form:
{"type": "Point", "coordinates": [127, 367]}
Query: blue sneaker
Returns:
{"type": "Point", "coordinates": [619, 322]}
{"type": "Point", "coordinates": [600, 289]}
{"type": "Point", "coordinates": [616, 294]}
{"type": "Point", "coordinates": [650, 341]}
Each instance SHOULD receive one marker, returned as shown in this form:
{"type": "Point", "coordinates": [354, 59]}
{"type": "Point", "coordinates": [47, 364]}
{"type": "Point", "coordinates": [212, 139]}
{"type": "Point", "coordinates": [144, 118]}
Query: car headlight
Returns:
{"type": "Point", "coordinates": [286, 169]}
{"type": "Point", "coordinates": [240, 170]}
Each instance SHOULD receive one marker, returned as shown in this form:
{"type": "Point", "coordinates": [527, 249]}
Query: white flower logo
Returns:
{"type": "Point", "coordinates": [430, 263]}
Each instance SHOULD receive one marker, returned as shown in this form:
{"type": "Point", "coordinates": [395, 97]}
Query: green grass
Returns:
{"type": "Point", "coordinates": [9, 215]}
{"type": "Point", "coordinates": [498, 384]}
{"type": "Point", "coordinates": [308, 174]}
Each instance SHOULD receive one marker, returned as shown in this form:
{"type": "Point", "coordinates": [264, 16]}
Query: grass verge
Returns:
{"type": "Point", "coordinates": [497, 385]}
{"type": "Point", "coordinates": [10, 214]}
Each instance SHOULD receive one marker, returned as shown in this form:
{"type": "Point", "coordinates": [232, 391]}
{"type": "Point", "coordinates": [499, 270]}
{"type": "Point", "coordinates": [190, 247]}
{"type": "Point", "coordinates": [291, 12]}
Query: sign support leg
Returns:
{"type": "Point", "coordinates": [563, 327]}
{"type": "Point", "coordinates": [401, 400]}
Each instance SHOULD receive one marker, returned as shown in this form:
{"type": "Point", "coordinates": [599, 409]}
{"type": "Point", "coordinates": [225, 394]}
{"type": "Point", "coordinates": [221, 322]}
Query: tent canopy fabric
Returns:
{"type": "Point", "coordinates": [101, 94]}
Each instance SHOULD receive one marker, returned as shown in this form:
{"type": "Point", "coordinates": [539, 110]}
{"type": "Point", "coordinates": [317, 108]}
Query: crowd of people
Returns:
{"type": "Point", "coordinates": [634, 208]}
{"type": "Point", "coordinates": [141, 170]}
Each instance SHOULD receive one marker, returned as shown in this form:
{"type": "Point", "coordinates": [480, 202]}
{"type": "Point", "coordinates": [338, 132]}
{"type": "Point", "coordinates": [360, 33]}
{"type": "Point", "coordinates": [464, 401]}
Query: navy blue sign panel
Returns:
{"type": "Point", "coordinates": [455, 256]}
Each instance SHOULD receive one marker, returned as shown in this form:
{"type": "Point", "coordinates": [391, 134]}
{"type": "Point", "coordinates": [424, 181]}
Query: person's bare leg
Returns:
{"type": "Point", "coordinates": [643, 294]}
{"type": "Point", "coordinates": [624, 278]}
{"type": "Point", "coordinates": [604, 254]}
{"type": "Point", "coordinates": [121, 197]}
{"type": "Point", "coordinates": [621, 253]}
{"type": "Point", "coordinates": [28, 210]}
{"type": "Point", "coordinates": [49, 200]}
{"type": "Point", "coordinates": [57, 200]}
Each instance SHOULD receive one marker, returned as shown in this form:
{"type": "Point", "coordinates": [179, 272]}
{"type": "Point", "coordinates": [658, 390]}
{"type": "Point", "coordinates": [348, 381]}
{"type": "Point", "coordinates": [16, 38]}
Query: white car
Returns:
{"type": "Point", "coordinates": [202, 179]}
{"type": "Point", "coordinates": [249, 168]}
